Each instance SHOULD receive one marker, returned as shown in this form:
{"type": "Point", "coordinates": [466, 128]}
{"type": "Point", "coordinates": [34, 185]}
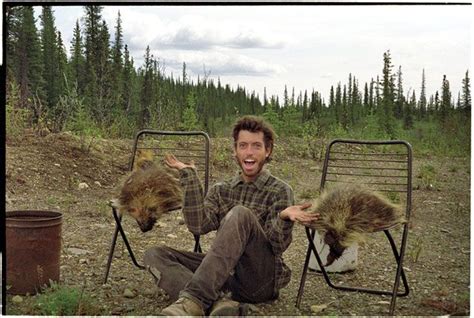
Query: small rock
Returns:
{"type": "Point", "coordinates": [83, 261]}
{"type": "Point", "coordinates": [383, 302]}
{"type": "Point", "coordinates": [83, 186]}
{"type": "Point", "coordinates": [117, 311]}
{"type": "Point", "coordinates": [127, 293]}
{"type": "Point", "coordinates": [148, 292]}
{"type": "Point", "coordinates": [97, 183]}
{"type": "Point", "coordinates": [315, 309]}
{"type": "Point", "coordinates": [17, 299]}
{"type": "Point", "coordinates": [172, 236]}
{"type": "Point", "coordinates": [57, 165]}
{"type": "Point", "coordinates": [314, 168]}
{"type": "Point", "coordinates": [74, 165]}
{"type": "Point", "coordinates": [161, 224]}
{"type": "Point", "coordinates": [77, 251]}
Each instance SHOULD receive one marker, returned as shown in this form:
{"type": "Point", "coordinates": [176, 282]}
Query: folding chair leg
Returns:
{"type": "Point", "coordinates": [400, 271]}
{"type": "Point", "coordinates": [394, 293]}
{"type": "Point", "coordinates": [118, 228]}
{"type": "Point", "coordinates": [303, 275]}
{"type": "Point", "coordinates": [125, 240]}
{"type": "Point", "coordinates": [111, 253]}
{"type": "Point", "coordinates": [399, 260]}
{"type": "Point", "coordinates": [197, 246]}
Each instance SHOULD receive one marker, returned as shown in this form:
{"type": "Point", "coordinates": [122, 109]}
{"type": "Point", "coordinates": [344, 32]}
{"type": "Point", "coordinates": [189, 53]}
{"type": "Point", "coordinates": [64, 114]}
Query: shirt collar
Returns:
{"type": "Point", "coordinates": [259, 182]}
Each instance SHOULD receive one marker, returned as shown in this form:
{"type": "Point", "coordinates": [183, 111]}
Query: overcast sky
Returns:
{"type": "Point", "coordinates": [306, 47]}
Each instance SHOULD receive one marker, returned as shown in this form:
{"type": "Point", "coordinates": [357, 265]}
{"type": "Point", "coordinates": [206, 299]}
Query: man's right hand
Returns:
{"type": "Point", "coordinates": [172, 162]}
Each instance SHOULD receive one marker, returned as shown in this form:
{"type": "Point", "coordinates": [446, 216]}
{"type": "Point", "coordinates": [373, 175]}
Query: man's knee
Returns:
{"type": "Point", "coordinates": [155, 255]}
{"type": "Point", "coordinates": [240, 213]}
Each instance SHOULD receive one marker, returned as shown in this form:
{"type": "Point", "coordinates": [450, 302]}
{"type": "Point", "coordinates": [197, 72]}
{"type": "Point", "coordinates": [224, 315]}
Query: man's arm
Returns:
{"type": "Point", "coordinates": [200, 212]}
{"type": "Point", "coordinates": [278, 230]}
{"type": "Point", "coordinates": [283, 214]}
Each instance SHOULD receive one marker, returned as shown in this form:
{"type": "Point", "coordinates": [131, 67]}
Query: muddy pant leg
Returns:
{"type": "Point", "coordinates": [254, 277]}
{"type": "Point", "coordinates": [238, 230]}
{"type": "Point", "coordinates": [172, 268]}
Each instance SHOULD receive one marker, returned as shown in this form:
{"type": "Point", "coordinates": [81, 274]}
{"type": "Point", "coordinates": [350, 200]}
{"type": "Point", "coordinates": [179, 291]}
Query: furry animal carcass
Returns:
{"type": "Point", "coordinates": [149, 191]}
{"type": "Point", "coordinates": [348, 212]}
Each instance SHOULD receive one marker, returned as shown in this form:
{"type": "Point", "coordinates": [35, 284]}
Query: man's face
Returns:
{"type": "Point", "coordinates": [250, 153]}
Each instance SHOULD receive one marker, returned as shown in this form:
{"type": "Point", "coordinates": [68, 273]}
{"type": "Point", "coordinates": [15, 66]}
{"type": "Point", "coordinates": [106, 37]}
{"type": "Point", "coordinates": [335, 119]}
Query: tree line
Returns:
{"type": "Point", "coordinates": [99, 89]}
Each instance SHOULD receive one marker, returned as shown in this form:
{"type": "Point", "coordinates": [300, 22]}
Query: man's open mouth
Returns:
{"type": "Point", "coordinates": [249, 163]}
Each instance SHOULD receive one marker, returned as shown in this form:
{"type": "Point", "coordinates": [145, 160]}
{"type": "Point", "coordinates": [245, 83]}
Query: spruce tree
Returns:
{"type": "Point", "coordinates": [366, 99]}
{"type": "Point", "coordinates": [408, 112]}
{"type": "Point", "coordinates": [286, 100]}
{"type": "Point", "coordinates": [466, 93]}
{"type": "Point", "coordinates": [371, 97]}
{"type": "Point", "coordinates": [29, 63]}
{"type": "Point", "coordinates": [128, 81]}
{"type": "Point", "coordinates": [422, 102]}
{"type": "Point", "coordinates": [355, 101]}
{"type": "Point", "coordinates": [305, 106]}
{"type": "Point", "coordinates": [117, 64]}
{"type": "Point", "coordinates": [13, 22]}
{"type": "Point", "coordinates": [332, 101]}
{"type": "Point", "coordinates": [338, 104]}
{"type": "Point", "coordinates": [146, 95]}
{"type": "Point", "coordinates": [399, 99]}
{"type": "Point", "coordinates": [385, 111]}
{"type": "Point", "coordinates": [49, 52]}
{"type": "Point", "coordinates": [344, 111]}
{"type": "Point", "coordinates": [77, 60]}
{"type": "Point", "coordinates": [349, 92]}
{"type": "Point", "coordinates": [445, 105]}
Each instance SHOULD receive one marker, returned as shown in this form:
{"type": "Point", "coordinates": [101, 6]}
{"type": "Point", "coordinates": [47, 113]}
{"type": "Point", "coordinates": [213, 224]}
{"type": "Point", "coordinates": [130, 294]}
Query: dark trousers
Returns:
{"type": "Point", "coordinates": [240, 260]}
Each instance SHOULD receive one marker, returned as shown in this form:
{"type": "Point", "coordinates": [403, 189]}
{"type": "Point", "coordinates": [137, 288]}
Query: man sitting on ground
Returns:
{"type": "Point", "coordinates": [253, 214]}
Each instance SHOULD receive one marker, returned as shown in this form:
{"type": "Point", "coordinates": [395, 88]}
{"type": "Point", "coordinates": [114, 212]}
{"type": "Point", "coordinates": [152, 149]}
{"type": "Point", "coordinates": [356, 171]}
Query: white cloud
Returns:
{"type": "Point", "coordinates": [200, 36]}
{"type": "Point", "coordinates": [221, 63]}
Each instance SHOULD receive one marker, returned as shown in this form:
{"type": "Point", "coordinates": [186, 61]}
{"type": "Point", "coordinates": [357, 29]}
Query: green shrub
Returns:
{"type": "Point", "coordinates": [16, 118]}
{"type": "Point", "coordinates": [59, 300]}
{"type": "Point", "coordinates": [427, 176]}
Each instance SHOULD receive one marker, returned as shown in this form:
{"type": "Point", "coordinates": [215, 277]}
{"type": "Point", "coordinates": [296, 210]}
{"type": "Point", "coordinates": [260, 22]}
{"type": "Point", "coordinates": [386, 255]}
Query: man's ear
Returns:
{"type": "Point", "coordinates": [268, 152]}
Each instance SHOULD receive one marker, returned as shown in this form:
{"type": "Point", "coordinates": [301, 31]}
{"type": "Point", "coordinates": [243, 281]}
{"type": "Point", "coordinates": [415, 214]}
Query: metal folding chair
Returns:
{"type": "Point", "coordinates": [384, 166]}
{"type": "Point", "coordinates": [186, 146]}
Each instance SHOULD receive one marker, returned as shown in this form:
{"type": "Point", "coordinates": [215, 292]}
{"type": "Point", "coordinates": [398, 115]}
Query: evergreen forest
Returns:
{"type": "Point", "coordinates": [97, 90]}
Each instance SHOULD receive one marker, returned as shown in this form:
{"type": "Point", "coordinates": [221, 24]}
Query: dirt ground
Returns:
{"type": "Point", "coordinates": [45, 172]}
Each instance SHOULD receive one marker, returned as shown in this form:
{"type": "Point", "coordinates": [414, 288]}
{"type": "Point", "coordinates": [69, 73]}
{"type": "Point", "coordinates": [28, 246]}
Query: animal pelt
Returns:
{"type": "Point", "coordinates": [149, 191]}
{"type": "Point", "coordinates": [348, 213]}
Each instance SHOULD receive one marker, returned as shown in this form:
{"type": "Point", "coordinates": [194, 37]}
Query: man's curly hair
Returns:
{"type": "Point", "coordinates": [255, 124]}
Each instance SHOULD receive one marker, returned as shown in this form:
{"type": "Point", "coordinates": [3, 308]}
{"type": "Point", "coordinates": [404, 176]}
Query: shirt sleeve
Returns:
{"type": "Point", "coordinates": [278, 231]}
{"type": "Point", "coordinates": [201, 213]}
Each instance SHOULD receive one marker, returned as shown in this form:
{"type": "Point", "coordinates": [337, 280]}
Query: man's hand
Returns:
{"type": "Point", "coordinates": [297, 213]}
{"type": "Point", "coordinates": [172, 162]}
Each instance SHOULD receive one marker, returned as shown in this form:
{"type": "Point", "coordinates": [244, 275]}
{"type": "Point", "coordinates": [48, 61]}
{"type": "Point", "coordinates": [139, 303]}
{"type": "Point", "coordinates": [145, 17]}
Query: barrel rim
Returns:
{"type": "Point", "coordinates": [40, 215]}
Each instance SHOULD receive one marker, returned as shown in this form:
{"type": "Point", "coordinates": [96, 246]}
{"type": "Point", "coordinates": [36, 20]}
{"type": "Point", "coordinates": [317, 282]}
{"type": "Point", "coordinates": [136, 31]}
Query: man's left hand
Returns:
{"type": "Point", "coordinates": [297, 213]}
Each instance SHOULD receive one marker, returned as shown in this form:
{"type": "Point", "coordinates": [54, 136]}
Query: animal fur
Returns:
{"type": "Point", "coordinates": [149, 191]}
{"type": "Point", "coordinates": [348, 212]}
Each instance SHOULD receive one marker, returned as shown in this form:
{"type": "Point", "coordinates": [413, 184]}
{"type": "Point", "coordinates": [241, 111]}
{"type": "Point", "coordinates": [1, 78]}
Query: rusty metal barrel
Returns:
{"type": "Point", "coordinates": [33, 250]}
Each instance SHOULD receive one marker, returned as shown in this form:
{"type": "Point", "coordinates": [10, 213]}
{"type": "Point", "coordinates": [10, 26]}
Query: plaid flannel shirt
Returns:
{"type": "Point", "coordinates": [267, 196]}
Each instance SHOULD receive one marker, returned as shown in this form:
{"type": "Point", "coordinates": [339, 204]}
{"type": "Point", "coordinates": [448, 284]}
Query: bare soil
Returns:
{"type": "Point", "coordinates": [44, 173]}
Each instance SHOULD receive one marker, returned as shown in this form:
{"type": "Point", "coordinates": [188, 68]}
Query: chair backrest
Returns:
{"type": "Point", "coordinates": [383, 166]}
{"type": "Point", "coordinates": [185, 145]}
